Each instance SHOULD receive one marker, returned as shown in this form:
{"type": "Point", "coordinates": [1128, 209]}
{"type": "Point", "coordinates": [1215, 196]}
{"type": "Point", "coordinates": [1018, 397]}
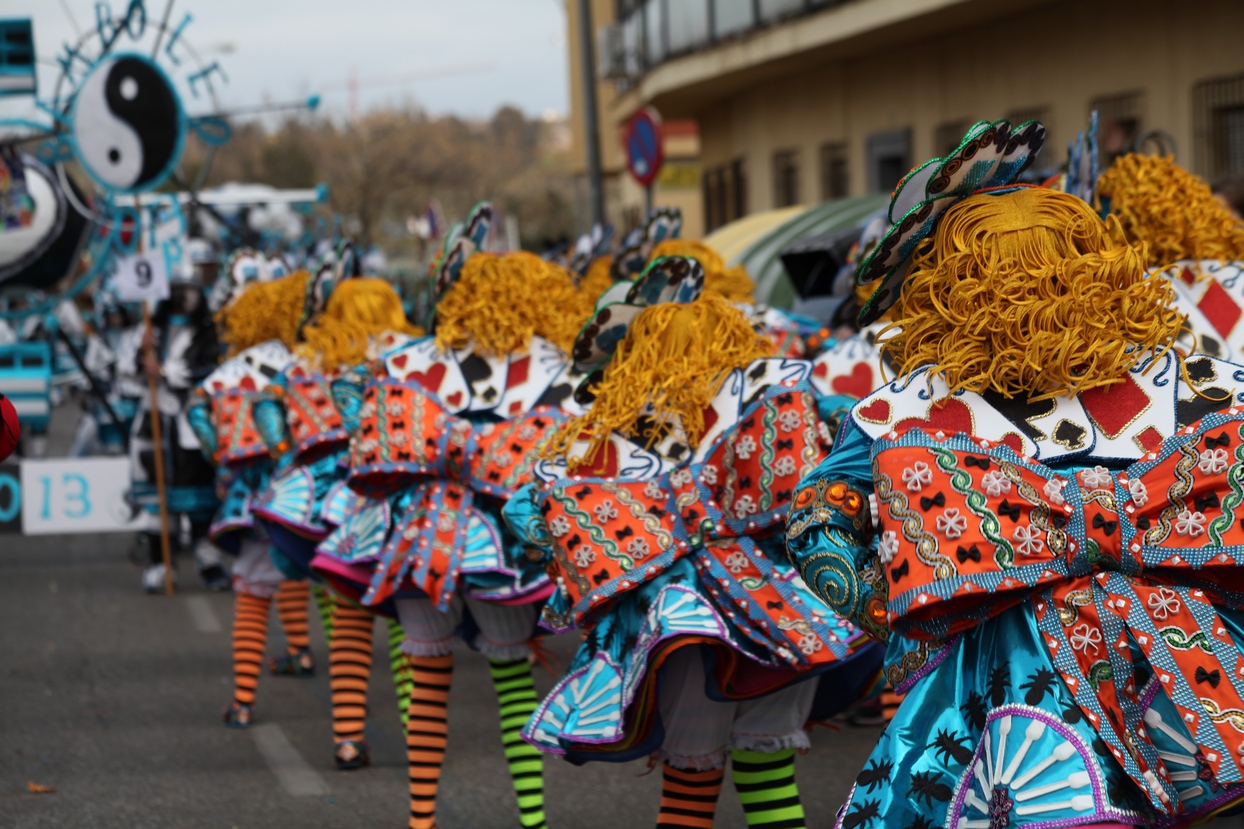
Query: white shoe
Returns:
{"type": "Point", "coordinates": [153, 578]}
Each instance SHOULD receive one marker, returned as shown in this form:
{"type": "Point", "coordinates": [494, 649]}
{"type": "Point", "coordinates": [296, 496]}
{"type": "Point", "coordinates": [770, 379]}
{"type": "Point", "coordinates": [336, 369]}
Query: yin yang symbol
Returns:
{"type": "Point", "coordinates": [127, 124]}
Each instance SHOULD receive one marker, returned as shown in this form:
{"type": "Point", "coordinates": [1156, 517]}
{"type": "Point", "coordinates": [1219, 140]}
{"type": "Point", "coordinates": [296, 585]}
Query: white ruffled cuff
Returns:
{"type": "Point", "coordinates": [424, 648]}
{"type": "Point", "coordinates": [769, 743]}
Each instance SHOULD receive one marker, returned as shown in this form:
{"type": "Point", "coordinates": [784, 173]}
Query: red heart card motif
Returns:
{"type": "Point", "coordinates": [454, 399]}
{"type": "Point", "coordinates": [246, 384]}
{"type": "Point", "coordinates": [877, 411]}
{"type": "Point", "coordinates": [949, 415]}
{"type": "Point", "coordinates": [821, 369]}
{"type": "Point", "coordinates": [859, 383]}
{"type": "Point", "coordinates": [399, 361]}
{"type": "Point", "coordinates": [430, 379]}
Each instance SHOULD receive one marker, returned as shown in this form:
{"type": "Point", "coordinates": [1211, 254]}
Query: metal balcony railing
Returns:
{"type": "Point", "coordinates": [650, 32]}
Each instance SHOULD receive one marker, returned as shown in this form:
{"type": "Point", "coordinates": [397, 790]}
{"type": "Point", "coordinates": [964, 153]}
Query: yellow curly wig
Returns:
{"type": "Point", "coordinates": [264, 311]}
{"type": "Point", "coordinates": [1173, 211]}
{"type": "Point", "coordinates": [598, 279]}
{"type": "Point", "coordinates": [358, 310]}
{"type": "Point", "coordinates": [501, 301]}
{"type": "Point", "coordinates": [732, 283]}
{"type": "Point", "coordinates": [1029, 293]}
{"type": "Point", "coordinates": [674, 357]}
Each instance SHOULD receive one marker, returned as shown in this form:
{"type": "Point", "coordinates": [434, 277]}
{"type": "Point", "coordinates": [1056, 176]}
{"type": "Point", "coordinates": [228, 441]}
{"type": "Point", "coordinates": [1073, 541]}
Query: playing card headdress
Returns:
{"type": "Point", "coordinates": [663, 223]}
{"type": "Point", "coordinates": [244, 266]}
{"type": "Point", "coordinates": [590, 247]}
{"type": "Point", "coordinates": [655, 353]}
{"type": "Point", "coordinates": [462, 240]}
{"type": "Point", "coordinates": [1081, 179]}
{"type": "Point", "coordinates": [328, 276]}
{"type": "Point", "coordinates": [670, 279]}
{"type": "Point", "coordinates": [989, 160]}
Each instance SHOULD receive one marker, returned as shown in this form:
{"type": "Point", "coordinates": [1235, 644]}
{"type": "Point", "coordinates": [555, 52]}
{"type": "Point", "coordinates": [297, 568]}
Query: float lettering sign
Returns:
{"type": "Point", "coordinates": [74, 495]}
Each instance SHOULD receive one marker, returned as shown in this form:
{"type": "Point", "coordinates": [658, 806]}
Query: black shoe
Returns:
{"type": "Point", "coordinates": [351, 755]}
{"type": "Point", "coordinates": [215, 578]}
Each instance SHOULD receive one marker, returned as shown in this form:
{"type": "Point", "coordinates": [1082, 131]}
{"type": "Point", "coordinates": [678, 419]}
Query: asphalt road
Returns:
{"type": "Point", "coordinates": [114, 698]}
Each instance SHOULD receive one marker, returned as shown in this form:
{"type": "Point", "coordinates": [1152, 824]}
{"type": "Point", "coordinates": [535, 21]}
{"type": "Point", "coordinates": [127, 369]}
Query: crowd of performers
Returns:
{"type": "Point", "coordinates": [1007, 492]}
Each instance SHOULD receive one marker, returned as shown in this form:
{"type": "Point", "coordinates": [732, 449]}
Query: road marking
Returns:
{"type": "Point", "coordinates": [294, 773]}
{"type": "Point", "coordinates": [202, 615]}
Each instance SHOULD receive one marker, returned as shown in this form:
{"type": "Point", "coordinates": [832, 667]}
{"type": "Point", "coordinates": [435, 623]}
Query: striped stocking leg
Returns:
{"type": "Point", "coordinates": [250, 637]}
{"type": "Point", "coordinates": [766, 787]}
{"type": "Point", "coordinates": [688, 798]}
{"type": "Point", "coordinates": [349, 668]}
{"type": "Point", "coordinates": [427, 734]}
{"type": "Point", "coordinates": [325, 602]}
{"type": "Point", "coordinates": [399, 669]}
{"type": "Point", "coordinates": [291, 606]}
{"type": "Point", "coordinates": [516, 693]}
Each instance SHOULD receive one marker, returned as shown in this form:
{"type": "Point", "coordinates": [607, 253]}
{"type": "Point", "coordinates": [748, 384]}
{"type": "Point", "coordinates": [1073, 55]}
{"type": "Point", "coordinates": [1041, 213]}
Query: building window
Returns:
{"type": "Point", "coordinates": [1023, 115]}
{"type": "Point", "coordinates": [947, 136]}
{"type": "Point", "coordinates": [771, 10]}
{"type": "Point", "coordinates": [725, 194]}
{"type": "Point", "coordinates": [732, 16]}
{"type": "Point", "coordinates": [1118, 124]}
{"type": "Point", "coordinates": [688, 25]}
{"type": "Point", "coordinates": [1218, 127]}
{"type": "Point", "coordinates": [834, 182]}
{"type": "Point", "coordinates": [785, 178]}
{"type": "Point", "coordinates": [738, 193]}
{"type": "Point", "coordinates": [654, 35]}
{"type": "Point", "coordinates": [889, 159]}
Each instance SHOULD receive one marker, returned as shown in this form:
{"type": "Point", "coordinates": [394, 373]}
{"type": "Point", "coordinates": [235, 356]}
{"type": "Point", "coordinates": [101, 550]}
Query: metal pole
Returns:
{"type": "Point", "coordinates": [166, 552]}
{"type": "Point", "coordinates": [591, 132]}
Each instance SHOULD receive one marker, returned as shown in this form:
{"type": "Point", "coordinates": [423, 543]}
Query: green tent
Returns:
{"type": "Point", "coordinates": [763, 258]}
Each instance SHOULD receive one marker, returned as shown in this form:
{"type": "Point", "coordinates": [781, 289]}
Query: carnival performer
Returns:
{"type": "Point", "coordinates": [442, 433]}
{"type": "Point", "coordinates": [1049, 543]}
{"type": "Point", "coordinates": [179, 349]}
{"type": "Point", "coordinates": [659, 511]}
{"type": "Point", "coordinates": [259, 324]}
{"type": "Point", "coordinates": [346, 321]}
{"type": "Point", "coordinates": [98, 433]}
{"type": "Point", "coordinates": [1191, 237]}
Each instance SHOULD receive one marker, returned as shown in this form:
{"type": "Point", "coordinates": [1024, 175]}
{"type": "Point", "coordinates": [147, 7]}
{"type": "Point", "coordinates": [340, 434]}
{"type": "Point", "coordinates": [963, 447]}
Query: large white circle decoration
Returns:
{"type": "Point", "coordinates": [127, 124]}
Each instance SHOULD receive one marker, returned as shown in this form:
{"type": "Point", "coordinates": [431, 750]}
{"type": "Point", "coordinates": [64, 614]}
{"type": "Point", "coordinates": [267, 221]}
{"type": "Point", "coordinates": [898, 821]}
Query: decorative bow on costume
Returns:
{"type": "Point", "coordinates": [1113, 562]}
{"type": "Point", "coordinates": [313, 422]}
{"type": "Point", "coordinates": [406, 437]}
{"type": "Point", "coordinates": [610, 536]}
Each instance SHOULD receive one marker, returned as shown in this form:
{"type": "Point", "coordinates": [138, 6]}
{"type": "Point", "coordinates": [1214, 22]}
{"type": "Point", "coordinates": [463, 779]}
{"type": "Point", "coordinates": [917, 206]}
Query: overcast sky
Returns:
{"type": "Point", "coordinates": [489, 52]}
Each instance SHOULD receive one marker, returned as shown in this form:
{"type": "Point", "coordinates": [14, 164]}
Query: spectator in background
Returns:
{"type": "Point", "coordinates": [1231, 192]}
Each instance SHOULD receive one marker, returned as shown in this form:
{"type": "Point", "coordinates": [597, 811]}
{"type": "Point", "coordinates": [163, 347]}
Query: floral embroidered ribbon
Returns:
{"type": "Point", "coordinates": [610, 536]}
{"type": "Point", "coordinates": [407, 437]}
{"type": "Point", "coordinates": [314, 422]}
{"type": "Point", "coordinates": [1114, 562]}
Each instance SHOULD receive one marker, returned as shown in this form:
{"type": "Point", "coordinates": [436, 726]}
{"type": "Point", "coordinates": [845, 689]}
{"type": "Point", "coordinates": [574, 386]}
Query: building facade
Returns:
{"type": "Point", "coordinates": [799, 101]}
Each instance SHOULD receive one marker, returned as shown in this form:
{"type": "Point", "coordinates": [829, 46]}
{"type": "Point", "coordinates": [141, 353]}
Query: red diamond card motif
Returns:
{"type": "Point", "coordinates": [1114, 408]}
{"type": "Point", "coordinates": [1220, 308]}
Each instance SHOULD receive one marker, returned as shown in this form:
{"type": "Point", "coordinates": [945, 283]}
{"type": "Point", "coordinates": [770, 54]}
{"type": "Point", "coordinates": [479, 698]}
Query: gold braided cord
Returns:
{"type": "Point", "coordinates": [732, 283]}
{"type": "Point", "coordinates": [1173, 211]}
{"type": "Point", "coordinates": [501, 301]}
{"type": "Point", "coordinates": [357, 311]}
{"type": "Point", "coordinates": [264, 311]}
{"type": "Point", "coordinates": [1029, 294]}
{"type": "Point", "coordinates": [664, 374]}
